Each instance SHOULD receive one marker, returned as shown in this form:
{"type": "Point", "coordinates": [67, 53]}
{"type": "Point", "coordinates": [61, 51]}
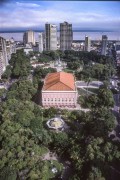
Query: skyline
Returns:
{"type": "Point", "coordinates": [24, 15]}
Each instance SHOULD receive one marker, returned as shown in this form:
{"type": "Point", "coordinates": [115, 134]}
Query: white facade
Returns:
{"type": "Point", "coordinates": [59, 98]}
{"type": "Point", "coordinates": [3, 56]}
{"type": "Point", "coordinates": [29, 37]}
{"type": "Point", "coordinates": [27, 50]}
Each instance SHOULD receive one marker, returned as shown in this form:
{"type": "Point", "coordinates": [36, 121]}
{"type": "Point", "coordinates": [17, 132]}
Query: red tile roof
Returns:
{"type": "Point", "coordinates": [59, 81]}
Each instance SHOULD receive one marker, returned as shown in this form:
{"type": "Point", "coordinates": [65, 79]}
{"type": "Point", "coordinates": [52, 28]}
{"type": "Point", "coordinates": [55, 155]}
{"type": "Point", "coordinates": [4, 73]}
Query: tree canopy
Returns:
{"type": "Point", "coordinates": [19, 66]}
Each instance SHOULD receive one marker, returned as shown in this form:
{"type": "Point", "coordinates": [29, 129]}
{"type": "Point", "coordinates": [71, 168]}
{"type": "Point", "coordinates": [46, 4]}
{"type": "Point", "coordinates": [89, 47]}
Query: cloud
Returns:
{"type": "Point", "coordinates": [28, 5]}
{"type": "Point", "coordinates": [27, 15]}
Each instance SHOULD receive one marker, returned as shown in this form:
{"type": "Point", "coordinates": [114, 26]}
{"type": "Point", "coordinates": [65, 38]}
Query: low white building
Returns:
{"type": "Point", "coordinates": [28, 50]}
{"type": "Point", "coordinates": [36, 64]}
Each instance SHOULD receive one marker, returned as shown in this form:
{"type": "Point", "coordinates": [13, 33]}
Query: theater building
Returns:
{"type": "Point", "coordinates": [59, 90]}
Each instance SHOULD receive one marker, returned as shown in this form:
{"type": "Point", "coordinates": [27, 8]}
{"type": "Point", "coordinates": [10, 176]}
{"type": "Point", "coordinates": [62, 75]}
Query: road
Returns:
{"type": "Point", "coordinates": [115, 81]}
{"type": "Point", "coordinates": [116, 111]}
{"type": "Point", "coordinates": [93, 84]}
{"type": "Point", "coordinates": [117, 102]}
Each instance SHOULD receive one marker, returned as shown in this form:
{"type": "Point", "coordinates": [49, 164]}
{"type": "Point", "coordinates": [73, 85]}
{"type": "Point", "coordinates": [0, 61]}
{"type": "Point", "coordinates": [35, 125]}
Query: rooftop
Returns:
{"type": "Point", "coordinates": [59, 81]}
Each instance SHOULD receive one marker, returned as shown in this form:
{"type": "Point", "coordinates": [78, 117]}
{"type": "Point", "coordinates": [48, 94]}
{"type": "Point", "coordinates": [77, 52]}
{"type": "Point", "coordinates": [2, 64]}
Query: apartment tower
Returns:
{"type": "Point", "coordinates": [117, 46]}
{"type": "Point", "coordinates": [3, 56]}
{"type": "Point", "coordinates": [66, 36]}
{"type": "Point", "coordinates": [104, 45]}
{"type": "Point", "coordinates": [87, 43]}
{"type": "Point", "coordinates": [50, 37]}
{"type": "Point", "coordinates": [29, 37]}
{"type": "Point", "coordinates": [40, 44]}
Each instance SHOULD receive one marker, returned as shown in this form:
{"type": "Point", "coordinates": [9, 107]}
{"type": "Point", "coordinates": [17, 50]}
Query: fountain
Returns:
{"type": "Point", "coordinates": [55, 123]}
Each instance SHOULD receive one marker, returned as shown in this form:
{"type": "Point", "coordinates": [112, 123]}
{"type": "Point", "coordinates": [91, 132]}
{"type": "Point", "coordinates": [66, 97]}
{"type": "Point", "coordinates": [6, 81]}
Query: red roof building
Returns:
{"type": "Point", "coordinates": [59, 90]}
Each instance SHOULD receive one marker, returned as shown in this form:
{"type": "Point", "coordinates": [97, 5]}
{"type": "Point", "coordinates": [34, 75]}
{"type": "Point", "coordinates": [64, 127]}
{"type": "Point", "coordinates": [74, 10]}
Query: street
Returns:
{"type": "Point", "coordinates": [117, 104]}
{"type": "Point", "coordinates": [116, 112]}
{"type": "Point", "coordinates": [92, 84]}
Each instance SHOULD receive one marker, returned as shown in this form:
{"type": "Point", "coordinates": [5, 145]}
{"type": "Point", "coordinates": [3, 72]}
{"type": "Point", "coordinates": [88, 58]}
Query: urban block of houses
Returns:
{"type": "Point", "coordinates": [59, 90]}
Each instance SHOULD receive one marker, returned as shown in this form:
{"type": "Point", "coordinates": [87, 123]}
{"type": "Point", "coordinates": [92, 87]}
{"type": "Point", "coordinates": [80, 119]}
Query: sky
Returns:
{"type": "Point", "coordinates": [84, 15]}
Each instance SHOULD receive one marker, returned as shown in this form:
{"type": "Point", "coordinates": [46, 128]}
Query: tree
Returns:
{"type": "Point", "coordinates": [95, 173]}
{"type": "Point", "coordinates": [24, 117]}
{"type": "Point", "coordinates": [22, 90]}
{"type": "Point", "coordinates": [105, 97]}
{"type": "Point", "coordinates": [19, 150]}
{"type": "Point", "coordinates": [59, 142]}
{"type": "Point", "coordinates": [60, 53]}
{"type": "Point", "coordinates": [50, 55]}
{"type": "Point", "coordinates": [7, 174]}
{"type": "Point", "coordinates": [7, 73]}
{"type": "Point", "coordinates": [93, 101]}
{"type": "Point", "coordinates": [2, 92]}
{"type": "Point", "coordinates": [40, 73]}
{"type": "Point", "coordinates": [20, 65]}
{"type": "Point", "coordinates": [73, 65]}
{"type": "Point", "coordinates": [51, 112]}
{"type": "Point", "coordinates": [101, 122]}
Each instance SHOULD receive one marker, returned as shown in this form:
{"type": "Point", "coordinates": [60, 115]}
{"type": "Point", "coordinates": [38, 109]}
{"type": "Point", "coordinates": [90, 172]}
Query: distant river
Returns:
{"type": "Point", "coordinates": [18, 36]}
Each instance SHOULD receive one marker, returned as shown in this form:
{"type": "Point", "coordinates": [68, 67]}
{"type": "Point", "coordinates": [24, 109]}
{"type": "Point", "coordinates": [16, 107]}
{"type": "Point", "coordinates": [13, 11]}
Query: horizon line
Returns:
{"type": "Point", "coordinates": [42, 30]}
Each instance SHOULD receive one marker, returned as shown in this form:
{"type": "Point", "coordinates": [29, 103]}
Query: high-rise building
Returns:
{"type": "Point", "coordinates": [66, 36]}
{"type": "Point", "coordinates": [3, 56]}
{"type": "Point", "coordinates": [13, 44]}
{"type": "Point", "coordinates": [10, 48]}
{"type": "Point", "coordinates": [117, 46]}
{"type": "Point", "coordinates": [104, 45]}
{"type": "Point", "coordinates": [87, 43]}
{"type": "Point", "coordinates": [40, 43]}
{"type": "Point", "coordinates": [29, 37]}
{"type": "Point", "coordinates": [50, 37]}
